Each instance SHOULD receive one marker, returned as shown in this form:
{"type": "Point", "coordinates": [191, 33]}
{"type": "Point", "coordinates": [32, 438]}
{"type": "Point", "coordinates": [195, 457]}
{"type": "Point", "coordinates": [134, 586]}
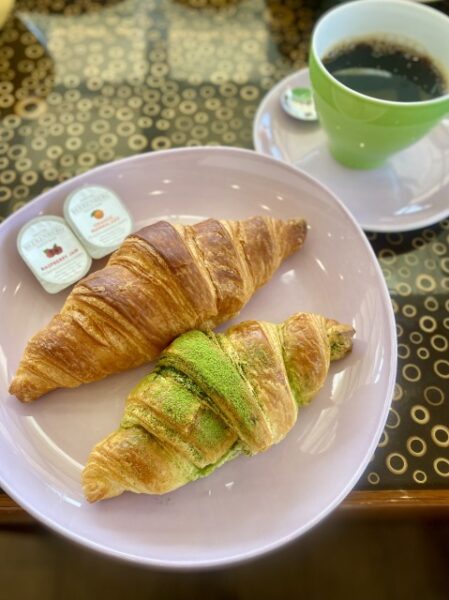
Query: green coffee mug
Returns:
{"type": "Point", "coordinates": [364, 131]}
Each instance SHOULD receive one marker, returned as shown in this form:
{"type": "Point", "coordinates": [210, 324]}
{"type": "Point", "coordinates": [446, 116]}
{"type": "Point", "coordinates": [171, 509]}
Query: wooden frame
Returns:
{"type": "Point", "coordinates": [397, 502]}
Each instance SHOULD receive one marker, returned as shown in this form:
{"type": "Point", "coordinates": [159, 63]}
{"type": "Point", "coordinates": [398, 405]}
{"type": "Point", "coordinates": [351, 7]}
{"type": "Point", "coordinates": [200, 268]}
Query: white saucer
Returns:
{"type": "Point", "coordinates": [409, 192]}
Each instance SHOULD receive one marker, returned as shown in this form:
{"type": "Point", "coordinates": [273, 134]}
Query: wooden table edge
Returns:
{"type": "Point", "coordinates": [397, 501]}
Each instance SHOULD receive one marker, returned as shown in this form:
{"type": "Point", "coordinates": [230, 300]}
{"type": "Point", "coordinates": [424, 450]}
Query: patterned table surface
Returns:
{"type": "Point", "coordinates": [83, 83]}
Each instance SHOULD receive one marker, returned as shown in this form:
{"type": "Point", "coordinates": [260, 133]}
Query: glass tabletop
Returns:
{"type": "Point", "coordinates": [83, 83]}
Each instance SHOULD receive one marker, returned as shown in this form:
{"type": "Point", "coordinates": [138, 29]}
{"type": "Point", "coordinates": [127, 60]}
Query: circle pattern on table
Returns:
{"type": "Point", "coordinates": [416, 451]}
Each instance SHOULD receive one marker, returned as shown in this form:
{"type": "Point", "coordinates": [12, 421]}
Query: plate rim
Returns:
{"type": "Point", "coordinates": [375, 227]}
{"type": "Point", "coordinates": [183, 565]}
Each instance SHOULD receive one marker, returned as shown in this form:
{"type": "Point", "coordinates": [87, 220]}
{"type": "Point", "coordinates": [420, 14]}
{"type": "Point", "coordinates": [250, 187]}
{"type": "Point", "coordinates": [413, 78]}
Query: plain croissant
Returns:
{"type": "Point", "coordinates": [212, 397]}
{"type": "Point", "coordinates": [164, 280]}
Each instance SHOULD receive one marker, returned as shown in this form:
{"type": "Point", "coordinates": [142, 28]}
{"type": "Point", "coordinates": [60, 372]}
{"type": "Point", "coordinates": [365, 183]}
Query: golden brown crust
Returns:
{"type": "Point", "coordinates": [132, 457]}
{"type": "Point", "coordinates": [177, 424]}
{"type": "Point", "coordinates": [147, 406]}
{"type": "Point", "coordinates": [164, 240]}
{"type": "Point", "coordinates": [162, 281]}
{"type": "Point", "coordinates": [306, 354]}
{"type": "Point", "coordinates": [224, 263]}
{"type": "Point", "coordinates": [259, 350]}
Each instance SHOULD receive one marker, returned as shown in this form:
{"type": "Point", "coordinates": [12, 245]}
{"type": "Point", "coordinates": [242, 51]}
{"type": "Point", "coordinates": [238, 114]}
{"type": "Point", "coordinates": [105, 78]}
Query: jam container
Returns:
{"type": "Point", "coordinates": [98, 217]}
{"type": "Point", "coordinates": [52, 252]}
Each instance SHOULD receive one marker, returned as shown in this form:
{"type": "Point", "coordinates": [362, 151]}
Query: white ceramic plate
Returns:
{"type": "Point", "coordinates": [410, 191]}
{"type": "Point", "coordinates": [249, 506]}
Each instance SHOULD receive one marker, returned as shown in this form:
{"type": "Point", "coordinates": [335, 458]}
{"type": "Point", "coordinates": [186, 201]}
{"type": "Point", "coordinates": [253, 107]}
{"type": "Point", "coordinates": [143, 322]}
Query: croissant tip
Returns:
{"type": "Point", "coordinates": [17, 390]}
{"type": "Point", "coordinates": [340, 338]}
{"type": "Point", "coordinates": [298, 221]}
{"type": "Point", "coordinates": [94, 491]}
{"type": "Point", "coordinates": [96, 486]}
{"type": "Point", "coordinates": [295, 233]}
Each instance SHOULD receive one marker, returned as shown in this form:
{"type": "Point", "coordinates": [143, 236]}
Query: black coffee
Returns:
{"type": "Point", "coordinates": [387, 71]}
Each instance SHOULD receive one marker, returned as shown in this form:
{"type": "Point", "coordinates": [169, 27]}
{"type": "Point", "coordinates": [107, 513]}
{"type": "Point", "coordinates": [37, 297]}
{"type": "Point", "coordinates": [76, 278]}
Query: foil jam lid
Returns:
{"type": "Point", "coordinates": [99, 219]}
{"type": "Point", "coordinates": [52, 252]}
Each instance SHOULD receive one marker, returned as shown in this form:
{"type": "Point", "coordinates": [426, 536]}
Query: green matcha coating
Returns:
{"type": "Point", "coordinates": [210, 428]}
{"type": "Point", "coordinates": [299, 378]}
{"type": "Point", "coordinates": [296, 385]}
{"type": "Point", "coordinates": [168, 372]}
{"type": "Point", "coordinates": [169, 397]}
{"type": "Point", "coordinates": [168, 404]}
{"type": "Point", "coordinates": [184, 399]}
{"type": "Point", "coordinates": [244, 357]}
{"type": "Point", "coordinates": [198, 354]}
{"type": "Point", "coordinates": [232, 453]}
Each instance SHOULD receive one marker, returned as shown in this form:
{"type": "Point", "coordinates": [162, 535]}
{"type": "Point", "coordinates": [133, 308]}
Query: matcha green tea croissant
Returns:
{"type": "Point", "coordinates": [212, 397]}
